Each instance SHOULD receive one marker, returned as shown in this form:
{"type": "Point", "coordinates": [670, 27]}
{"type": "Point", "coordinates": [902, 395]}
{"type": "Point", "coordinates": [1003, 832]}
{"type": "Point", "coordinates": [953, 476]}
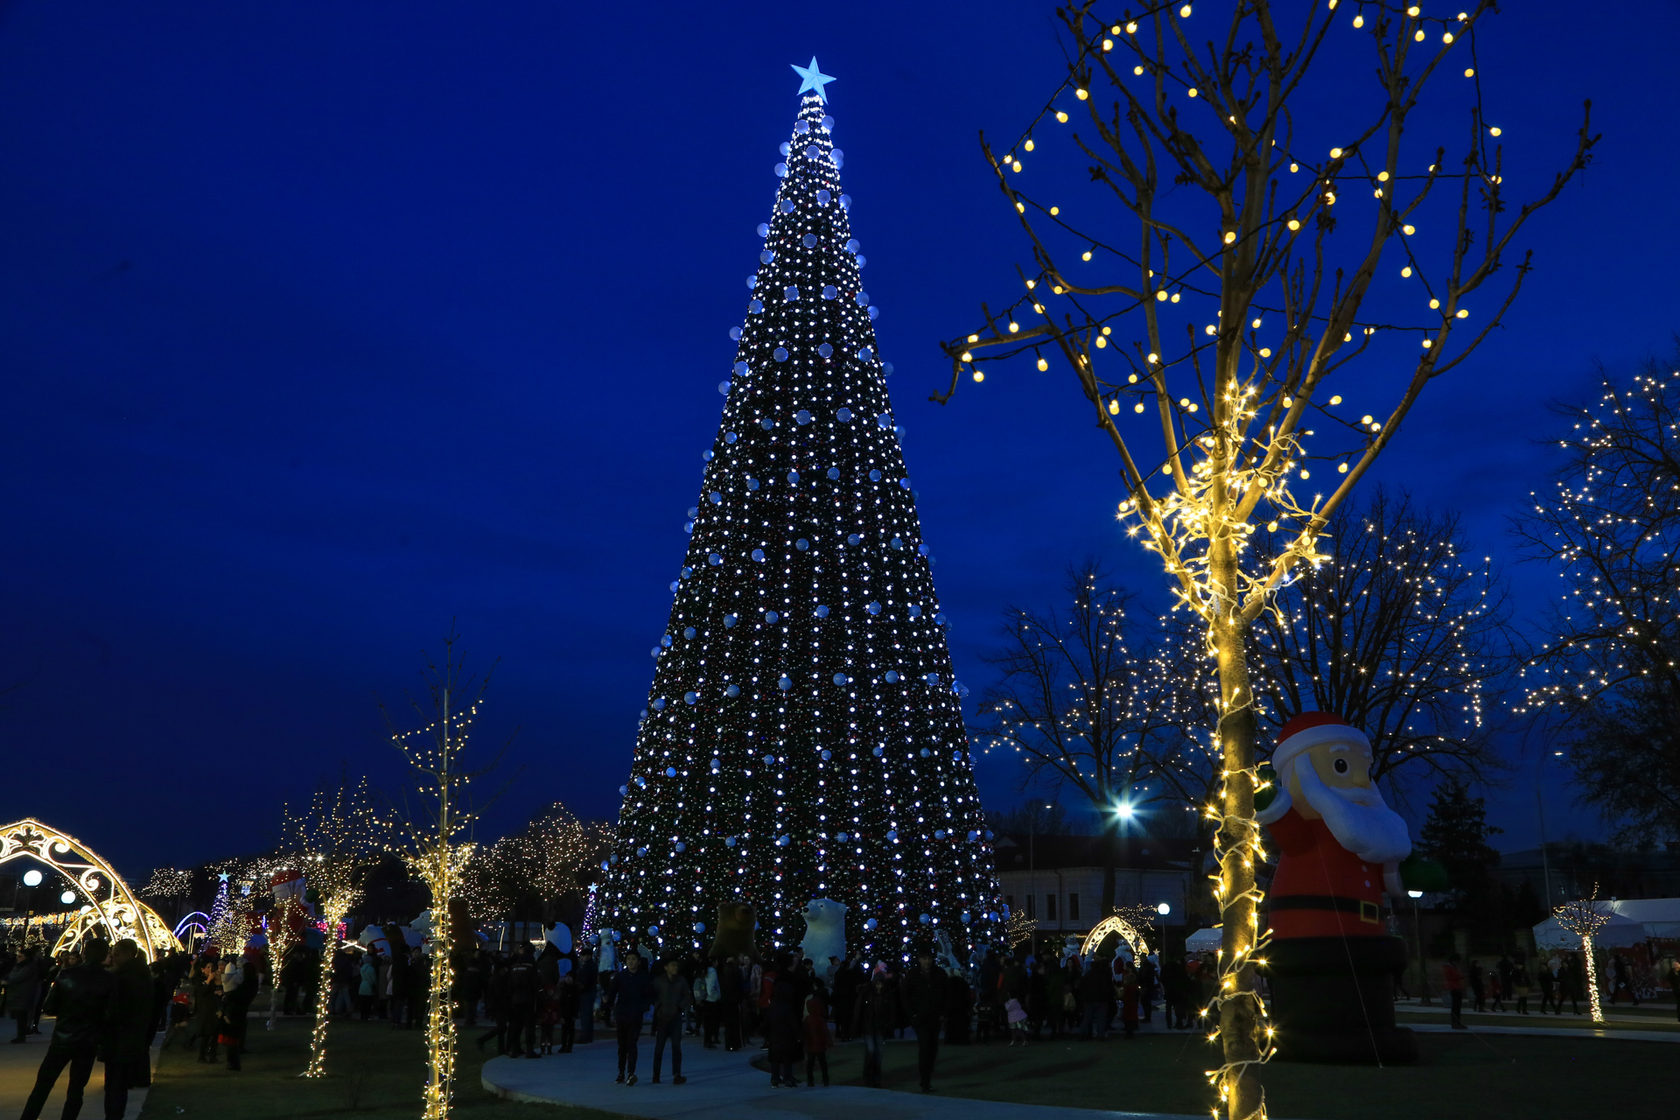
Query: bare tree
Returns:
{"type": "Point", "coordinates": [432, 824]}
{"type": "Point", "coordinates": [1086, 707]}
{"type": "Point", "coordinates": [1611, 671]}
{"type": "Point", "coordinates": [336, 847]}
{"type": "Point", "coordinates": [1239, 232]}
{"type": "Point", "coordinates": [1398, 633]}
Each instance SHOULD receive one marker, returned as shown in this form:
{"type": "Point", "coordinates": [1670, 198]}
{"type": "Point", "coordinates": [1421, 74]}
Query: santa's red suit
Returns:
{"type": "Point", "coordinates": [1321, 889]}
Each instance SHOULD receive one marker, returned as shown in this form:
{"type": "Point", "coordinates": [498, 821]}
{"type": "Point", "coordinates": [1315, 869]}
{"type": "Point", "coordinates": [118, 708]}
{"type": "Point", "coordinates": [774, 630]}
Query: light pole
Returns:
{"type": "Point", "coordinates": [1417, 935]}
{"type": "Point", "coordinates": [1540, 808]}
{"type": "Point", "coordinates": [1032, 869]}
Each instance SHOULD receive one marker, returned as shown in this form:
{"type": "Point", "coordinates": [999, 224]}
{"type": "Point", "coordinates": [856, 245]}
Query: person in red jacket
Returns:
{"type": "Point", "coordinates": [1454, 981]}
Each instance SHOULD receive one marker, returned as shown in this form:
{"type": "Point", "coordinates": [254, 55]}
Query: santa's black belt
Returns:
{"type": "Point", "coordinates": [1367, 911]}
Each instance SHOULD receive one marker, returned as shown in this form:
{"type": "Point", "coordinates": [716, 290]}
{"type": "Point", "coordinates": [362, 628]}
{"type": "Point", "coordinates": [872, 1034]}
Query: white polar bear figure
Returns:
{"type": "Point", "coordinates": [560, 936]}
{"type": "Point", "coordinates": [945, 956]}
{"type": "Point", "coordinates": [825, 931]}
{"type": "Point", "coordinates": [608, 960]}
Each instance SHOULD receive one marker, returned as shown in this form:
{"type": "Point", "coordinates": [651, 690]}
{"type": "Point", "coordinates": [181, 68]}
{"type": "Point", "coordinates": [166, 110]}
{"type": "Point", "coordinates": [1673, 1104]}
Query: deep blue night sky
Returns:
{"type": "Point", "coordinates": [323, 324]}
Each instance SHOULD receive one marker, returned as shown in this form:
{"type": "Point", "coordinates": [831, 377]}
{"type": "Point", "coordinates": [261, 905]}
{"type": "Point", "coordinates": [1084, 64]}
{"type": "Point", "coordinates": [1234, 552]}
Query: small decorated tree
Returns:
{"type": "Point", "coordinates": [430, 826]}
{"type": "Point", "coordinates": [1584, 919]}
{"type": "Point", "coordinates": [335, 842]}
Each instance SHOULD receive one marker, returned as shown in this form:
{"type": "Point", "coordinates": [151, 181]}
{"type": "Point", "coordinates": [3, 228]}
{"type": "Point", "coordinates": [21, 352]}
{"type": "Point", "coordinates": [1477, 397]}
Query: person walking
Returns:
{"type": "Point", "coordinates": [817, 1039]}
{"type": "Point", "coordinates": [1543, 973]}
{"type": "Point", "coordinates": [1621, 980]}
{"type": "Point", "coordinates": [1478, 988]}
{"type": "Point", "coordinates": [207, 1007]}
{"type": "Point", "coordinates": [1569, 984]}
{"type": "Point", "coordinates": [924, 999]}
{"type": "Point", "coordinates": [128, 1063]}
{"type": "Point", "coordinates": [874, 1016]}
{"type": "Point", "coordinates": [239, 989]}
{"type": "Point", "coordinates": [1674, 982]}
{"type": "Point", "coordinates": [367, 976]}
{"type": "Point", "coordinates": [672, 998]}
{"type": "Point", "coordinates": [783, 1029]}
{"type": "Point", "coordinates": [632, 995]}
{"type": "Point", "coordinates": [80, 1001]}
{"type": "Point", "coordinates": [1520, 984]}
{"type": "Point", "coordinates": [708, 991]}
{"type": "Point", "coordinates": [496, 1008]}
{"type": "Point", "coordinates": [23, 990]}
{"type": "Point", "coordinates": [729, 1001]}
{"type": "Point", "coordinates": [1454, 981]}
{"type": "Point", "coordinates": [522, 1004]}
{"type": "Point", "coordinates": [587, 980]}
{"type": "Point", "coordinates": [566, 1001]}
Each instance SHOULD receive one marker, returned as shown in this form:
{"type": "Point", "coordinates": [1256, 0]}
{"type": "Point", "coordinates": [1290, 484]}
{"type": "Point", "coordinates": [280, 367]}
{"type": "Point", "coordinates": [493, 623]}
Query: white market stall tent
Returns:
{"type": "Point", "coordinates": [1659, 916]}
{"type": "Point", "coordinates": [1203, 941]}
{"type": "Point", "coordinates": [1617, 933]}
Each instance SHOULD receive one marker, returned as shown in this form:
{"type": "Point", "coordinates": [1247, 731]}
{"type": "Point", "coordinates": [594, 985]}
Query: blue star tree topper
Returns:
{"type": "Point", "coordinates": [812, 78]}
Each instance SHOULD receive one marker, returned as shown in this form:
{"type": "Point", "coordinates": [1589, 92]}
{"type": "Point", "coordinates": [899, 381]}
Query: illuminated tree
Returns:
{"type": "Point", "coordinates": [549, 859]}
{"type": "Point", "coordinates": [168, 883]}
{"type": "Point", "coordinates": [804, 736]}
{"type": "Point", "coordinates": [1253, 250]}
{"type": "Point", "coordinates": [1611, 528]}
{"type": "Point", "coordinates": [1397, 633]}
{"type": "Point", "coordinates": [336, 846]}
{"type": "Point", "coordinates": [1086, 704]}
{"type": "Point", "coordinates": [1584, 919]}
{"type": "Point", "coordinates": [430, 826]}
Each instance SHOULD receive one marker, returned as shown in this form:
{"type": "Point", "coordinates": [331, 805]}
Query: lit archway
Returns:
{"type": "Point", "coordinates": [112, 920]}
{"type": "Point", "coordinates": [1115, 924]}
{"type": "Point", "coordinates": [112, 905]}
{"type": "Point", "coordinates": [194, 926]}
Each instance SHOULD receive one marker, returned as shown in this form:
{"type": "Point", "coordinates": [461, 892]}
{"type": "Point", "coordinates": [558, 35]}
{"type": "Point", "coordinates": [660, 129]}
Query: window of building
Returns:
{"type": "Point", "coordinates": [1009, 901]}
{"type": "Point", "coordinates": [1050, 907]}
{"type": "Point", "coordinates": [1031, 898]}
{"type": "Point", "coordinates": [1073, 906]}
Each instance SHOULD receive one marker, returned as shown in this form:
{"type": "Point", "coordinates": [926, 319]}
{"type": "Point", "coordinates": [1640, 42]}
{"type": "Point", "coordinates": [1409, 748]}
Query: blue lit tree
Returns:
{"type": "Point", "coordinates": [804, 736]}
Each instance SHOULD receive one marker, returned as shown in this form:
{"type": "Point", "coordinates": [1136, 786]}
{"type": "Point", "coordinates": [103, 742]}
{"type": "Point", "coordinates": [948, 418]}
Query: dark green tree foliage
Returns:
{"type": "Point", "coordinates": [1456, 835]}
{"type": "Point", "coordinates": [804, 735]}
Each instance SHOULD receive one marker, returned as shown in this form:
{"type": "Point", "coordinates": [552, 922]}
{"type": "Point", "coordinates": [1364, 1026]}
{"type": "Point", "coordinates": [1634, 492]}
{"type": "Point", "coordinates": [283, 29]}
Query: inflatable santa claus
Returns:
{"type": "Point", "coordinates": [1339, 848]}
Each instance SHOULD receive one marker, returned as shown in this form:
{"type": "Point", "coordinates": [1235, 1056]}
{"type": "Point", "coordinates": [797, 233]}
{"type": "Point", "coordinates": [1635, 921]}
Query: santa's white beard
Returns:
{"type": "Point", "coordinates": [1356, 817]}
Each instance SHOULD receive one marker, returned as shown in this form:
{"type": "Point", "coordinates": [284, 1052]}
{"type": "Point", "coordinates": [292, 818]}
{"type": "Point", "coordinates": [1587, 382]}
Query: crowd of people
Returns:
{"type": "Point", "coordinates": [106, 1005]}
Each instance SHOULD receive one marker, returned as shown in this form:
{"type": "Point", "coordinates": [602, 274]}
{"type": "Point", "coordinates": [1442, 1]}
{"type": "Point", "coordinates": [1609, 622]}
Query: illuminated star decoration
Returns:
{"type": "Point", "coordinates": [811, 78]}
{"type": "Point", "coordinates": [223, 876]}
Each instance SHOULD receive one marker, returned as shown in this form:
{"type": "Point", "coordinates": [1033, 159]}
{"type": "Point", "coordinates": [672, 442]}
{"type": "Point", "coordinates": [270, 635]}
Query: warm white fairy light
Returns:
{"type": "Point", "coordinates": [1226, 449]}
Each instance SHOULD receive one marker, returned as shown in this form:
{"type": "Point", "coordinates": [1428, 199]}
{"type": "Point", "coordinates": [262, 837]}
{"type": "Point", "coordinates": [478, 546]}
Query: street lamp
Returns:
{"type": "Point", "coordinates": [1417, 934]}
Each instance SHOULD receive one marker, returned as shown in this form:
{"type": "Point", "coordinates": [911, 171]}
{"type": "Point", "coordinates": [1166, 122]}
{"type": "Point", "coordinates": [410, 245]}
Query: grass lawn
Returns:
{"type": "Point", "coordinates": [373, 1071]}
{"type": "Point", "coordinates": [1461, 1075]}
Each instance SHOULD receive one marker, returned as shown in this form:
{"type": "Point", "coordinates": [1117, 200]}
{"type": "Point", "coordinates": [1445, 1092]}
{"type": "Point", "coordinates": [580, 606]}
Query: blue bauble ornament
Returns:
{"type": "Point", "coordinates": [870, 924]}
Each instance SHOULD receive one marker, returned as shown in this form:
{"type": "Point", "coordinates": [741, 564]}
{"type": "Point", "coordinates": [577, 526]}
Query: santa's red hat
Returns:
{"type": "Point", "coordinates": [1311, 729]}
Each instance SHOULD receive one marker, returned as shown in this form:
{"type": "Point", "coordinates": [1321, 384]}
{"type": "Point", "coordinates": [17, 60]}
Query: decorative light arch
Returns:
{"type": "Point", "coordinates": [112, 919]}
{"type": "Point", "coordinates": [114, 907]}
{"type": "Point", "coordinates": [1129, 933]}
{"type": "Point", "coordinates": [196, 924]}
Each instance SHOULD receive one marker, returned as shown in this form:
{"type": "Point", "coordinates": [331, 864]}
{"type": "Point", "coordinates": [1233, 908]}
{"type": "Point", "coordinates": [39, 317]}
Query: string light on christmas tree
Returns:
{"type": "Point", "coordinates": [803, 735]}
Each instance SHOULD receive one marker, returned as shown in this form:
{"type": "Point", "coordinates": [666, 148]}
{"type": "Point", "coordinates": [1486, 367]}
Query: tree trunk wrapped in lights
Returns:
{"type": "Point", "coordinates": [1245, 254]}
{"type": "Point", "coordinates": [1584, 919]}
{"type": "Point", "coordinates": [335, 846]}
{"type": "Point", "coordinates": [431, 827]}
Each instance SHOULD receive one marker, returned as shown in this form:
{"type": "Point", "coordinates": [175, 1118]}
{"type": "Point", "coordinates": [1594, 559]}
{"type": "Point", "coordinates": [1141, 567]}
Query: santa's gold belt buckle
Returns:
{"type": "Point", "coordinates": [1368, 912]}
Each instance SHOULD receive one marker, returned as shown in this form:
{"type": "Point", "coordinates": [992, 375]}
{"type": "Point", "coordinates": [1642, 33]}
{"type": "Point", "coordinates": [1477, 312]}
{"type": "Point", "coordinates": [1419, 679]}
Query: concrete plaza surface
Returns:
{"type": "Point", "coordinates": [17, 1076]}
{"type": "Point", "coordinates": [724, 1086]}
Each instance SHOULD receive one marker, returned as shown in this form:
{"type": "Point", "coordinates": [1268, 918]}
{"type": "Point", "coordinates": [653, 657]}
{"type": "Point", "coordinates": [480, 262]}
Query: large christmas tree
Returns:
{"type": "Point", "coordinates": [804, 736]}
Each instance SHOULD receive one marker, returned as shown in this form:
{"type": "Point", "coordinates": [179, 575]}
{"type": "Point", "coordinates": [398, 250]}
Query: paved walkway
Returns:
{"type": "Point", "coordinates": [1549, 1026]}
{"type": "Point", "coordinates": [17, 1076]}
{"type": "Point", "coordinates": [724, 1086]}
